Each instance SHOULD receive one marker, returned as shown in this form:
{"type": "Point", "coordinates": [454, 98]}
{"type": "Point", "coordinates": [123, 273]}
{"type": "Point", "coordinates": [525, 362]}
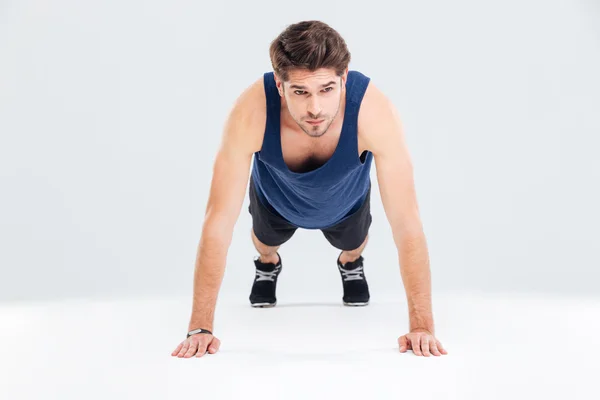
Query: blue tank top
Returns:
{"type": "Point", "coordinates": [324, 196]}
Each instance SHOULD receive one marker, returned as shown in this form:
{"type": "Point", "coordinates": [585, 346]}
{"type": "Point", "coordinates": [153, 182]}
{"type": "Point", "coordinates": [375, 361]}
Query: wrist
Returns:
{"type": "Point", "coordinates": [200, 325]}
{"type": "Point", "coordinates": [422, 329]}
{"type": "Point", "coordinates": [199, 331]}
{"type": "Point", "coordinates": [421, 321]}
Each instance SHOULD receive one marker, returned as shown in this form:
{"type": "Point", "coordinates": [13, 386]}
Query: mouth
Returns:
{"type": "Point", "coordinates": [315, 122]}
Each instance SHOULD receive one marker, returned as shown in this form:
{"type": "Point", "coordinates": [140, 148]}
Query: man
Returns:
{"type": "Point", "coordinates": [312, 127]}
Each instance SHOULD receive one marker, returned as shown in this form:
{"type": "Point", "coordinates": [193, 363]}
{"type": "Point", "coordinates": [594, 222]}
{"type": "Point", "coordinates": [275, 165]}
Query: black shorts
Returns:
{"type": "Point", "coordinates": [273, 230]}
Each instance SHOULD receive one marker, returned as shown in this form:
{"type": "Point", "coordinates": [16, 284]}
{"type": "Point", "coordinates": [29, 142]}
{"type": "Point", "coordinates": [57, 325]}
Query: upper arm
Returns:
{"type": "Point", "coordinates": [382, 132]}
{"type": "Point", "coordinates": [241, 137]}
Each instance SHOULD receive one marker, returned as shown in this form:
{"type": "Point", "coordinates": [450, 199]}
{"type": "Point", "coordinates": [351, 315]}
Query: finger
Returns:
{"type": "Point", "coordinates": [416, 345]}
{"type": "Point", "coordinates": [184, 349]}
{"type": "Point", "coordinates": [174, 353]}
{"type": "Point", "coordinates": [434, 349]}
{"type": "Point", "coordinates": [425, 346]}
{"type": "Point", "coordinates": [202, 345]}
{"type": "Point", "coordinates": [192, 349]}
{"type": "Point", "coordinates": [214, 346]}
{"type": "Point", "coordinates": [403, 344]}
{"type": "Point", "coordinates": [441, 348]}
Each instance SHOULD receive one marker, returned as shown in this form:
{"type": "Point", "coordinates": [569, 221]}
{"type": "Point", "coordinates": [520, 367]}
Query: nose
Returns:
{"type": "Point", "coordinates": [313, 108]}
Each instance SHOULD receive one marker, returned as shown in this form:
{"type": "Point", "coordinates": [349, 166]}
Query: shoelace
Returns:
{"type": "Point", "coordinates": [352, 274]}
{"type": "Point", "coordinates": [266, 276]}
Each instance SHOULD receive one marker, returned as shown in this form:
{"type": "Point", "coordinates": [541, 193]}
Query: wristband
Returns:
{"type": "Point", "coordinates": [195, 331]}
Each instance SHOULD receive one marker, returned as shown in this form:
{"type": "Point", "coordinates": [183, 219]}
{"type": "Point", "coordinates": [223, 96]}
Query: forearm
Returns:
{"type": "Point", "coordinates": [416, 276]}
{"type": "Point", "coordinates": [208, 274]}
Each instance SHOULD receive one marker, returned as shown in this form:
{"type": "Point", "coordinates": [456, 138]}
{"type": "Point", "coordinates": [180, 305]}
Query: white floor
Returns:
{"type": "Point", "coordinates": [507, 347]}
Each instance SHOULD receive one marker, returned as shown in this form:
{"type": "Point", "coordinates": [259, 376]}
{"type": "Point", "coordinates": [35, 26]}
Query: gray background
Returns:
{"type": "Point", "coordinates": [111, 113]}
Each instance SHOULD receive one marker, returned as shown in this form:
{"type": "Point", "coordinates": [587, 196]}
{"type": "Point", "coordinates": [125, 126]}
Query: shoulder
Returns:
{"type": "Point", "coordinates": [376, 108]}
{"type": "Point", "coordinates": [378, 120]}
{"type": "Point", "coordinates": [250, 106]}
{"type": "Point", "coordinates": [248, 116]}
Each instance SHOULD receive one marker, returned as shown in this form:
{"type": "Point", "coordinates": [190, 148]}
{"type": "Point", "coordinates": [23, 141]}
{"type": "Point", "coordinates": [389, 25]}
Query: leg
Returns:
{"type": "Point", "coordinates": [268, 254]}
{"type": "Point", "coordinates": [269, 229]}
{"type": "Point", "coordinates": [352, 255]}
{"type": "Point", "coordinates": [351, 235]}
{"type": "Point", "coordinates": [268, 267]}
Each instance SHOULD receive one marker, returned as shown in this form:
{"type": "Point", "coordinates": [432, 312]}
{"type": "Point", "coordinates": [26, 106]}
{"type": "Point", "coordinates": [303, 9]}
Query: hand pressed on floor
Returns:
{"type": "Point", "coordinates": [197, 345]}
{"type": "Point", "coordinates": [421, 342]}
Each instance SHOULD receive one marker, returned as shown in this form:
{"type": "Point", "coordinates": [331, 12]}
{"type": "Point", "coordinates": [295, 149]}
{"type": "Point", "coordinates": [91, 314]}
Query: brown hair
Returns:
{"type": "Point", "coordinates": [308, 45]}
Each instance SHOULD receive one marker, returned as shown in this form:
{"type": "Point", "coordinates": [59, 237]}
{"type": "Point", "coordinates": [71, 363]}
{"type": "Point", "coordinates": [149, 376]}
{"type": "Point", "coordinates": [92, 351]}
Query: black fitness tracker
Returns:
{"type": "Point", "coordinates": [200, 330]}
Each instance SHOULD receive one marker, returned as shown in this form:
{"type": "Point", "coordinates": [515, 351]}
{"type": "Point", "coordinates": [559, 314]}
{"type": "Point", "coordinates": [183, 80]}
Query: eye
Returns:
{"type": "Point", "coordinates": [296, 92]}
{"type": "Point", "coordinates": [328, 89]}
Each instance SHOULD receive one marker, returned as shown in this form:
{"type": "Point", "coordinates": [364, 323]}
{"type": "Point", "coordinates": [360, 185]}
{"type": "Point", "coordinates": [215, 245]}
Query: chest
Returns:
{"type": "Point", "coordinates": [302, 153]}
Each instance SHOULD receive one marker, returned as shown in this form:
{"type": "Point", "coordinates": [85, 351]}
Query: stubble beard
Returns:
{"type": "Point", "coordinates": [315, 131]}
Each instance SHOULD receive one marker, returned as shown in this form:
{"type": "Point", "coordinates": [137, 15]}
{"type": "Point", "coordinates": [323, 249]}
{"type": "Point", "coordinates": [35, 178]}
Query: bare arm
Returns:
{"type": "Point", "coordinates": [242, 136]}
{"type": "Point", "coordinates": [384, 136]}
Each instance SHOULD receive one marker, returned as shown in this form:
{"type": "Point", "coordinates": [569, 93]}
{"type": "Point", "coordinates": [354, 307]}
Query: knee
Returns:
{"type": "Point", "coordinates": [261, 247]}
{"type": "Point", "coordinates": [360, 248]}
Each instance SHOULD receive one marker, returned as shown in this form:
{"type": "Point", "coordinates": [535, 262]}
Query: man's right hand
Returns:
{"type": "Point", "coordinates": [197, 345]}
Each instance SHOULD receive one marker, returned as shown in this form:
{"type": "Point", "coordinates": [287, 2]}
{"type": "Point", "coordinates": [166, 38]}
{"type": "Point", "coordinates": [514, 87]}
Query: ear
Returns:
{"type": "Point", "coordinates": [344, 77]}
{"type": "Point", "coordinates": [279, 85]}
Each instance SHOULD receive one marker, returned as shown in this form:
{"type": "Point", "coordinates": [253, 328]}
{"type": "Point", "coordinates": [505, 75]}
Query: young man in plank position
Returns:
{"type": "Point", "coordinates": [313, 128]}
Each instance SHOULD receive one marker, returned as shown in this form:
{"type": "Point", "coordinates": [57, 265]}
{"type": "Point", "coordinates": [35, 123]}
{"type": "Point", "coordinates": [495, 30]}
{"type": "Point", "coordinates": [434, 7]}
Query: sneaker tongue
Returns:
{"type": "Point", "coordinates": [267, 267]}
{"type": "Point", "coordinates": [353, 264]}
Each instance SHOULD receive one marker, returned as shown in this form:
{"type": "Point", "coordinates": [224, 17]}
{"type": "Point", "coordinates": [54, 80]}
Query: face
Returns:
{"type": "Point", "coordinates": [313, 98]}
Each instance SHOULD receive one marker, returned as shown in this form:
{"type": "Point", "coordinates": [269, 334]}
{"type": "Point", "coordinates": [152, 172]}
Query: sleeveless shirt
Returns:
{"type": "Point", "coordinates": [324, 196]}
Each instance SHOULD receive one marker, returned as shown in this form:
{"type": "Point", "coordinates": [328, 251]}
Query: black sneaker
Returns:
{"type": "Point", "coordinates": [356, 289]}
{"type": "Point", "coordinates": [265, 283]}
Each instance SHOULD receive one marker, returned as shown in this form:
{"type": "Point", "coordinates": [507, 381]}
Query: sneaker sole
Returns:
{"type": "Point", "coordinates": [356, 304]}
{"type": "Point", "coordinates": [263, 305]}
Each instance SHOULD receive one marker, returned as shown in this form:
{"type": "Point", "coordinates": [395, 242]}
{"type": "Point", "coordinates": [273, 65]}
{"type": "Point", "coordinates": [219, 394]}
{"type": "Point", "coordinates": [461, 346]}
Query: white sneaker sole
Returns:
{"type": "Point", "coordinates": [263, 305]}
{"type": "Point", "coordinates": [356, 304]}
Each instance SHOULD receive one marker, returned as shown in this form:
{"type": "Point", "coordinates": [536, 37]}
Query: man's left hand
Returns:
{"type": "Point", "coordinates": [421, 342]}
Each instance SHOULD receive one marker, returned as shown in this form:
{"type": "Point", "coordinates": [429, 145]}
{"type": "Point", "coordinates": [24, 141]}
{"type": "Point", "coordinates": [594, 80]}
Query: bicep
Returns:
{"type": "Point", "coordinates": [395, 175]}
{"type": "Point", "coordinates": [398, 194]}
{"type": "Point", "coordinates": [228, 185]}
{"type": "Point", "coordinates": [241, 138]}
